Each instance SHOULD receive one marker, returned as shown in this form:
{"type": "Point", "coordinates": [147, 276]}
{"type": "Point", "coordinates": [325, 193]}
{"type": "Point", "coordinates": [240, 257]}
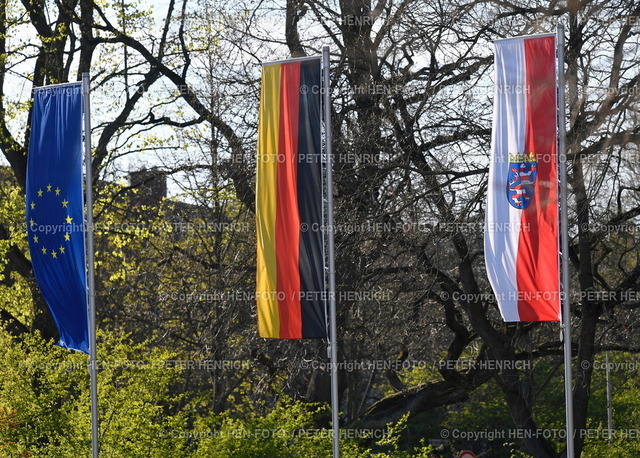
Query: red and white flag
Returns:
{"type": "Point", "coordinates": [521, 227]}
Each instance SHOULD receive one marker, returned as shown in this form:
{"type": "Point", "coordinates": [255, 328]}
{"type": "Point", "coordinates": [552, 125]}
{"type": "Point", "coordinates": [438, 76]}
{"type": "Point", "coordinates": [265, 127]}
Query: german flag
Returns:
{"type": "Point", "coordinates": [289, 205]}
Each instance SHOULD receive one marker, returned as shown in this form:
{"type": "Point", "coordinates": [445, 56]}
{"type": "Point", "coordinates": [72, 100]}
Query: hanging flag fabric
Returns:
{"type": "Point", "coordinates": [55, 219]}
{"type": "Point", "coordinates": [290, 289]}
{"type": "Point", "coordinates": [521, 227]}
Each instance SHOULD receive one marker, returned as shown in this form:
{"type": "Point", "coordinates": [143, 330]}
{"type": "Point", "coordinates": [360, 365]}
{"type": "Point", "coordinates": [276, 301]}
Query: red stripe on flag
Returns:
{"type": "Point", "coordinates": [287, 216]}
{"type": "Point", "coordinates": [537, 261]}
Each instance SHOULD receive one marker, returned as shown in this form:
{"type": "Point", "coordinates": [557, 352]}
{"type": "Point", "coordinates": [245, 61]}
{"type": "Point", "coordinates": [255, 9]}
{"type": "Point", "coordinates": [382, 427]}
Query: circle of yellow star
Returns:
{"type": "Point", "coordinates": [46, 250]}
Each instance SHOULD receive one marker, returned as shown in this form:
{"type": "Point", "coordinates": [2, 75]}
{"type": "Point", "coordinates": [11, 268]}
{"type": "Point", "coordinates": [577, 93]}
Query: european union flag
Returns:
{"type": "Point", "coordinates": [55, 217]}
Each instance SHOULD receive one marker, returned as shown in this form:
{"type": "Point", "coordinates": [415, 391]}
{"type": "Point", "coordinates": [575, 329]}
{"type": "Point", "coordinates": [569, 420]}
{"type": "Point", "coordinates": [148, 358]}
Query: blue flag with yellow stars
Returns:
{"type": "Point", "coordinates": [55, 217]}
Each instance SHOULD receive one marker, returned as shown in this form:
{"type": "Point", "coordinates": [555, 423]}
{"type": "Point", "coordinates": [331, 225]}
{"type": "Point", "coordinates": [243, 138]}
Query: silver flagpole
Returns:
{"type": "Point", "coordinates": [333, 333]}
{"type": "Point", "coordinates": [564, 231]}
{"type": "Point", "coordinates": [609, 399]}
{"type": "Point", "coordinates": [91, 306]}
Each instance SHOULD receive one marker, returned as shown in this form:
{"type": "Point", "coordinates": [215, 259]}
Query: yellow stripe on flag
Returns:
{"type": "Point", "coordinates": [267, 166]}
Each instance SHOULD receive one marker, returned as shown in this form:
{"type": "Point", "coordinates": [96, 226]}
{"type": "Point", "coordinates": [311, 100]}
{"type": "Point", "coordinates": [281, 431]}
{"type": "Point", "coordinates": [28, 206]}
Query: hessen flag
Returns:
{"type": "Point", "coordinates": [55, 219]}
{"type": "Point", "coordinates": [290, 290]}
{"type": "Point", "coordinates": [521, 227]}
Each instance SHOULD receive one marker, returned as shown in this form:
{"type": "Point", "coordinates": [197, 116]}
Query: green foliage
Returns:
{"type": "Point", "coordinates": [392, 441]}
{"type": "Point", "coordinates": [624, 439]}
{"type": "Point", "coordinates": [45, 411]}
{"type": "Point", "coordinates": [292, 429]}
{"type": "Point", "coordinates": [45, 399]}
{"type": "Point", "coordinates": [136, 400]}
{"type": "Point", "coordinates": [43, 392]}
{"type": "Point", "coordinates": [285, 432]}
{"type": "Point", "coordinates": [14, 290]}
{"type": "Point", "coordinates": [483, 422]}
